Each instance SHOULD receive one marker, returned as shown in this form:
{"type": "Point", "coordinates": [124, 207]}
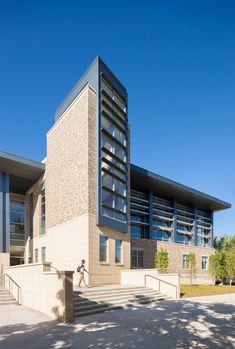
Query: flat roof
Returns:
{"type": "Point", "coordinates": [23, 172]}
{"type": "Point", "coordinates": [144, 180]}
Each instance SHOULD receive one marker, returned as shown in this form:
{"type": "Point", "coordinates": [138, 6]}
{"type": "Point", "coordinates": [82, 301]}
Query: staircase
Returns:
{"type": "Point", "coordinates": [5, 296]}
{"type": "Point", "coordinates": [94, 300]}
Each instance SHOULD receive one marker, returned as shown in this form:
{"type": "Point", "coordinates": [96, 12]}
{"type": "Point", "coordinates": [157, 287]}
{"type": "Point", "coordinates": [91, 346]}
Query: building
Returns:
{"type": "Point", "coordinates": [86, 200]}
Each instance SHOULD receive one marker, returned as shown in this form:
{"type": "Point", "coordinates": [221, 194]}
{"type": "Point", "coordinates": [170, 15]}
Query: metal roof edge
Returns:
{"type": "Point", "coordinates": [22, 160]}
{"type": "Point", "coordinates": [178, 185]}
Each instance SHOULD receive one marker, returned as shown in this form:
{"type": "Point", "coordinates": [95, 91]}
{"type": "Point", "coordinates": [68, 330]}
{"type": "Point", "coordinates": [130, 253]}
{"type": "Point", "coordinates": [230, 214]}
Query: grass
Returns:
{"type": "Point", "coordinates": [204, 290]}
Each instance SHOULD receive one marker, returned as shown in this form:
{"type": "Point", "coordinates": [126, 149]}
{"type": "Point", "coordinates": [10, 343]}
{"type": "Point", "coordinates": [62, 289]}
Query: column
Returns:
{"type": "Point", "coordinates": [150, 214]}
{"type": "Point", "coordinates": [174, 235]}
{"type": "Point", "coordinates": [4, 213]}
{"type": "Point", "coordinates": [211, 241]}
{"type": "Point", "coordinates": [194, 237]}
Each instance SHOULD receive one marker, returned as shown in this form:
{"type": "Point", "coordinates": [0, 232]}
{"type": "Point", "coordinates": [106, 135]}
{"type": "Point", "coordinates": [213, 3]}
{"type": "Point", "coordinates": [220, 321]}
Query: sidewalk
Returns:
{"type": "Point", "coordinates": [192, 323]}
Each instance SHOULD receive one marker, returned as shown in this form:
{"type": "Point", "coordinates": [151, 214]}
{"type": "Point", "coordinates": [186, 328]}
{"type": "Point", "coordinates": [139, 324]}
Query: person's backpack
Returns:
{"type": "Point", "coordinates": [78, 269]}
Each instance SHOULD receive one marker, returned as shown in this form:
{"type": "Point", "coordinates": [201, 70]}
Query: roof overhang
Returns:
{"type": "Point", "coordinates": [23, 173]}
{"type": "Point", "coordinates": [145, 180]}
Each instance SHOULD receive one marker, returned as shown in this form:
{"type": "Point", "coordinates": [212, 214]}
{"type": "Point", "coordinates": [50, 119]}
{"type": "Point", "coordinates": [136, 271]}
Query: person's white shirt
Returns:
{"type": "Point", "coordinates": [82, 268]}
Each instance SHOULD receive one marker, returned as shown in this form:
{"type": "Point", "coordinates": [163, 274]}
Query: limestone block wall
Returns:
{"type": "Point", "coordinates": [4, 261]}
{"type": "Point", "coordinates": [168, 284]}
{"type": "Point", "coordinates": [110, 272]}
{"type": "Point", "coordinates": [66, 244]}
{"type": "Point", "coordinates": [176, 252]}
{"type": "Point", "coordinates": [42, 289]}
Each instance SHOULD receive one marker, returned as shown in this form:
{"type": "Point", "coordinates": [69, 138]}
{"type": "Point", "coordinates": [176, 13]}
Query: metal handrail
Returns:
{"type": "Point", "coordinates": [159, 282]}
{"type": "Point", "coordinates": [10, 280]}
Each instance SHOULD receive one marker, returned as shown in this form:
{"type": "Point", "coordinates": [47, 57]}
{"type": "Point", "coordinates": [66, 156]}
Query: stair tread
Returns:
{"type": "Point", "coordinates": [127, 296]}
{"type": "Point", "coordinates": [99, 294]}
{"type": "Point", "coordinates": [120, 301]}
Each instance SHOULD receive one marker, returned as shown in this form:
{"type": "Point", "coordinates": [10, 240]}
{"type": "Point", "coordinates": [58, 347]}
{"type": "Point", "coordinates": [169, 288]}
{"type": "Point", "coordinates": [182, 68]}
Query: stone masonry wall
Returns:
{"type": "Point", "coordinates": [176, 252]}
{"type": "Point", "coordinates": [67, 165]}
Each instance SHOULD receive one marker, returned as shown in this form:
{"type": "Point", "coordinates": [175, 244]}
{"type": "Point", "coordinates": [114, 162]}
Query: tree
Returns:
{"type": "Point", "coordinates": [218, 265]}
{"type": "Point", "coordinates": [162, 260]}
{"type": "Point", "coordinates": [192, 266]}
{"type": "Point", "coordinates": [214, 268]}
{"type": "Point", "coordinates": [230, 265]}
{"type": "Point", "coordinates": [224, 243]}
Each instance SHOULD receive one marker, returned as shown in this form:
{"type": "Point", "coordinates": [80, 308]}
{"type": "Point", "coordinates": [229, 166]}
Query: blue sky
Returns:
{"type": "Point", "coordinates": [176, 59]}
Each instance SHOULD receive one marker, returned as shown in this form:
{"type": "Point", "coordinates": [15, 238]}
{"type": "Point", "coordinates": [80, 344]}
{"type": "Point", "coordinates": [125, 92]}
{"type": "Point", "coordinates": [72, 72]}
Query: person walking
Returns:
{"type": "Point", "coordinates": [81, 270]}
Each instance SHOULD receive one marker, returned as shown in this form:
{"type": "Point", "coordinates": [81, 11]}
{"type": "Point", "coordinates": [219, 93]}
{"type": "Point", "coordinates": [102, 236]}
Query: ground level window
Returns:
{"type": "Point", "coordinates": [103, 248]}
{"type": "Point", "coordinates": [43, 254]}
{"type": "Point", "coordinates": [137, 258]}
{"type": "Point", "coordinates": [204, 262]}
{"type": "Point", "coordinates": [118, 251]}
{"type": "Point", "coordinates": [185, 261]}
{"type": "Point", "coordinates": [36, 255]}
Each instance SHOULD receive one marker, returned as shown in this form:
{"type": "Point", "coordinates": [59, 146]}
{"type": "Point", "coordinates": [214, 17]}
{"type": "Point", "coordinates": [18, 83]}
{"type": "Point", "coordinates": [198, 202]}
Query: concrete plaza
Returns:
{"type": "Point", "coordinates": [205, 322]}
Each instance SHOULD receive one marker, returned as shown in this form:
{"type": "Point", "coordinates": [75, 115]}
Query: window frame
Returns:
{"type": "Point", "coordinates": [138, 266]}
{"type": "Point", "coordinates": [187, 261]}
{"type": "Point", "coordinates": [43, 254]}
{"type": "Point", "coordinates": [119, 249]}
{"type": "Point", "coordinates": [207, 262]}
{"type": "Point", "coordinates": [42, 216]}
{"type": "Point", "coordinates": [36, 255]}
{"type": "Point", "coordinates": [106, 247]}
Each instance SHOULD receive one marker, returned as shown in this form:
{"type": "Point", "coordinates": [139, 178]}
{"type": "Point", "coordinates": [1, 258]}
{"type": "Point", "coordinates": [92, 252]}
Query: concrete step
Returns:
{"type": "Point", "coordinates": [8, 301]}
{"type": "Point", "coordinates": [101, 299]}
{"type": "Point", "coordinates": [6, 297]}
{"type": "Point", "coordinates": [111, 293]}
{"type": "Point", "coordinates": [103, 290]}
{"type": "Point", "coordinates": [119, 302]}
{"type": "Point", "coordinates": [110, 297]}
{"type": "Point", "coordinates": [97, 311]}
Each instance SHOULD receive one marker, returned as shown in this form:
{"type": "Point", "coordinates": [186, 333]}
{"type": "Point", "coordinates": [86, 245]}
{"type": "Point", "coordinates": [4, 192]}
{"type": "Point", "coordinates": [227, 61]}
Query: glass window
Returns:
{"type": "Point", "coordinates": [43, 254]}
{"type": "Point", "coordinates": [185, 261]}
{"type": "Point", "coordinates": [137, 258]}
{"type": "Point", "coordinates": [43, 211]}
{"type": "Point", "coordinates": [138, 231]}
{"type": "Point", "coordinates": [118, 251]}
{"type": "Point", "coordinates": [17, 222]}
{"type": "Point", "coordinates": [103, 248]}
{"type": "Point", "coordinates": [107, 198]}
{"type": "Point", "coordinates": [36, 255]}
{"type": "Point", "coordinates": [183, 239]}
{"type": "Point", "coordinates": [31, 215]}
{"type": "Point", "coordinates": [204, 262]}
{"type": "Point", "coordinates": [161, 235]}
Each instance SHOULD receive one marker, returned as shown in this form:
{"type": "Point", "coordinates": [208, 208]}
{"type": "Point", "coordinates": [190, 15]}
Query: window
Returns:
{"type": "Point", "coordinates": [36, 255]}
{"type": "Point", "coordinates": [161, 235]}
{"type": "Point", "coordinates": [118, 251]}
{"type": "Point", "coordinates": [31, 215]}
{"type": "Point", "coordinates": [138, 231]}
{"type": "Point", "coordinates": [103, 248]}
{"type": "Point", "coordinates": [43, 254]}
{"type": "Point", "coordinates": [183, 239]}
{"type": "Point", "coordinates": [137, 258]}
{"type": "Point", "coordinates": [17, 222]}
{"type": "Point", "coordinates": [185, 261]}
{"type": "Point", "coordinates": [204, 262]}
{"type": "Point", "coordinates": [43, 211]}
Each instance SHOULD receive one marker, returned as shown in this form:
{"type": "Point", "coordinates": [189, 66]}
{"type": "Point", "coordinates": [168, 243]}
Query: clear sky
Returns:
{"type": "Point", "coordinates": [176, 59]}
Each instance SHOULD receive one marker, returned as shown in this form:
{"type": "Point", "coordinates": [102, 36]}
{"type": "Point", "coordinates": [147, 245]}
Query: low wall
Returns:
{"type": "Point", "coordinates": [40, 288]}
{"type": "Point", "coordinates": [168, 284]}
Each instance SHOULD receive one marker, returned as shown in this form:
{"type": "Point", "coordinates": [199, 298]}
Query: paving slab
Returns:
{"type": "Point", "coordinates": [171, 324]}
